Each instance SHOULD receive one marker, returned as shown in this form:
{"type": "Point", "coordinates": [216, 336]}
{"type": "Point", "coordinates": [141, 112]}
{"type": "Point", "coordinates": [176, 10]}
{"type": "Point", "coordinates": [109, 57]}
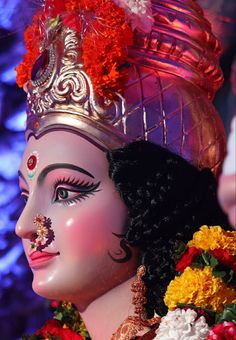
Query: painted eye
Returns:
{"type": "Point", "coordinates": [68, 191]}
{"type": "Point", "coordinates": [66, 195]}
{"type": "Point", "coordinates": [24, 197]}
{"type": "Point", "coordinates": [62, 193]}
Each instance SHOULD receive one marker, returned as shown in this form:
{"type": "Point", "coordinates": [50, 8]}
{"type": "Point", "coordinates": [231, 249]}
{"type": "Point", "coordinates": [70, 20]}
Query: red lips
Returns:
{"type": "Point", "coordinates": [40, 257]}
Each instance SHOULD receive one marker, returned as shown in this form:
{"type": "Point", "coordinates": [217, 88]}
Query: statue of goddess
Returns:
{"type": "Point", "coordinates": [119, 104]}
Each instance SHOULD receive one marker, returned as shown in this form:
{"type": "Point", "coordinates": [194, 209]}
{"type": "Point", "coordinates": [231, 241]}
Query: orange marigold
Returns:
{"type": "Point", "coordinates": [200, 288]}
{"type": "Point", "coordinates": [105, 49]}
{"type": "Point", "coordinates": [210, 238]}
{"type": "Point", "coordinates": [77, 5]}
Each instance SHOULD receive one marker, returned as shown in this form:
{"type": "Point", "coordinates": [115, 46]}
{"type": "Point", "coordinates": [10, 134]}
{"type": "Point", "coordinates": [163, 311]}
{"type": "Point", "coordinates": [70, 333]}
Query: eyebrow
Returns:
{"type": "Point", "coordinates": [52, 167]}
{"type": "Point", "coordinates": [21, 176]}
{"type": "Point", "coordinates": [55, 166]}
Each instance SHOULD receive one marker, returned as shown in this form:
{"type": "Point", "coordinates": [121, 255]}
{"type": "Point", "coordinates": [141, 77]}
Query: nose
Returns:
{"type": "Point", "coordinates": [36, 228]}
{"type": "Point", "coordinates": [25, 230]}
{"type": "Point", "coordinates": [25, 227]}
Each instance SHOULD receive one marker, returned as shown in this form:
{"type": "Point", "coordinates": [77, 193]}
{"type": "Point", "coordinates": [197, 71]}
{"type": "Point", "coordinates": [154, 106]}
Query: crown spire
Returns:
{"type": "Point", "coordinates": [94, 67]}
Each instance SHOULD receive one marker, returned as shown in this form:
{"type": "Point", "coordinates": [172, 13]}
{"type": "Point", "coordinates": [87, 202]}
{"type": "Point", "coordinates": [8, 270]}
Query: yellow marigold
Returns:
{"type": "Point", "coordinates": [200, 288]}
{"type": "Point", "coordinates": [210, 238]}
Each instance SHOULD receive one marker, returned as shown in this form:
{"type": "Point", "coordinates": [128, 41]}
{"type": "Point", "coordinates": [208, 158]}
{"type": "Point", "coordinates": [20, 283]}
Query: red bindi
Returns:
{"type": "Point", "coordinates": [32, 162]}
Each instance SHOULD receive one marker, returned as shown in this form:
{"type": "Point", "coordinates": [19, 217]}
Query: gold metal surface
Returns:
{"type": "Point", "coordinates": [173, 75]}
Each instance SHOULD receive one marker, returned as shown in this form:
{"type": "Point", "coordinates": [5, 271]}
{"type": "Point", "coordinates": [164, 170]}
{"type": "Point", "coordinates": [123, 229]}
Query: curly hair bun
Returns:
{"type": "Point", "coordinates": [168, 199]}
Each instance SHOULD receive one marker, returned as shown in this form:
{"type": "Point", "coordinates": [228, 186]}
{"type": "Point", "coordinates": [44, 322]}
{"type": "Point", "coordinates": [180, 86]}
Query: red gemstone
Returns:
{"type": "Point", "coordinates": [32, 162]}
{"type": "Point", "coordinates": [40, 66]}
{"type": "Point", "coordinates": [36, 125]}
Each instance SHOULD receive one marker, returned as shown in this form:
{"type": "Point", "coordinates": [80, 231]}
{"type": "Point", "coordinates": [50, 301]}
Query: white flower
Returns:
{"type": "Point", "coordinates": [181, 324]}
{"type": "Point", "coordinates": [138, 6]}
{"type": "Point", "coordinates": [138, 12]}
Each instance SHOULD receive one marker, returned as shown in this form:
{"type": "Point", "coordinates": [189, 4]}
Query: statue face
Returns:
{"type": "Point", "coordinates": [72, 219]}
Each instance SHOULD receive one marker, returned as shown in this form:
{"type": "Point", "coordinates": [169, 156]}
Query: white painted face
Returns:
{"type": "Point", "coordinates": [68, 183]}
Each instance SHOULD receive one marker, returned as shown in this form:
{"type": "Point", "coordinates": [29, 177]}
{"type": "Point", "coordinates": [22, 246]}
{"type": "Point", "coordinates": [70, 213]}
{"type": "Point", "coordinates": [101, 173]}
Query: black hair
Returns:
{"type": "Point", "coordinates": [168, 199]}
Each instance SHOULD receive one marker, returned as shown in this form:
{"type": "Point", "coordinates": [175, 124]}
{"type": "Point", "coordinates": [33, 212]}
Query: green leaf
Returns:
{"type": "Point", "coordinates": [179, 249]}
{"type": "Point", "coordinates": [220, 274]}
{"type": "Point", "coordinates": [230, 276]}
{"type": "Point", "coordinates": [197, 264]}
{"type": "Point", "coordinates": [228, 314]}
{"type": "Point", "coordinates": [53, 22]}
{"type": "Point", "coordinates": [209, 259]}
{"type": "Point", "coordinates": [58, 316]}
{"type": "Point", "coordinates": [227, 275]}
{"type": "Point", "coordinates": [213, 262]}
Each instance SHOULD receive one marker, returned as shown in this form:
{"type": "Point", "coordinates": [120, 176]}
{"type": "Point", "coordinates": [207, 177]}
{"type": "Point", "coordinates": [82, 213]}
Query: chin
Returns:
{"type": "Point", "coordinates": [46, 290]}
{"type": "Point", "coordinates": [53, 288]}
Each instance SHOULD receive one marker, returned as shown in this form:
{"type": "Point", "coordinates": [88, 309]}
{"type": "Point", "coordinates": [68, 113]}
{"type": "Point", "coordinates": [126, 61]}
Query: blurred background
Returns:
{"type": "Point", "coordinates": [22, 311]}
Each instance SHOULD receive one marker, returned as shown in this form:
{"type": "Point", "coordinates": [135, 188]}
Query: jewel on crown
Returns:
{"type": "Point", "coordinates": [90, 68]}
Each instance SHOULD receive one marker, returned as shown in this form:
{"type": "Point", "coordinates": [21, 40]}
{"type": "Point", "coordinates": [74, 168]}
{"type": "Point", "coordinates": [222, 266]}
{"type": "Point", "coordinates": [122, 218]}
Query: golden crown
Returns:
{"type": "Point", "coordinates": [125, 70]}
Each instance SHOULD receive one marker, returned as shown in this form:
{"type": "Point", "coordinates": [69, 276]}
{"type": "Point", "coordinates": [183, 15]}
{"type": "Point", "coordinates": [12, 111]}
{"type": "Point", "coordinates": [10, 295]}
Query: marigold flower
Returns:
{"type": "Point", "coordinates": [210, 238]}
{"type": "Point", "coordinates": [200, 288]}
{"type": "Point", "coordinates": [107, 35]}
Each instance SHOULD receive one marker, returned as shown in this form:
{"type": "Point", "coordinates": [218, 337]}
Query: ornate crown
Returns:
{"type": "Point", "coordinates": [121, 70]}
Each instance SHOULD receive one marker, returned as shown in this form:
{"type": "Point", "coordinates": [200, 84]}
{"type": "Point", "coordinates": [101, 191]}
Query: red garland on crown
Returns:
{"type": "Point", "coordinates": [104, 45]}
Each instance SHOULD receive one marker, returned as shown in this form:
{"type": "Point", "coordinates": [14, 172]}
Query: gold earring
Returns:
{"type": "Point", "coordinates": [139, 289]}
{"type": "Point", "coordinates": [138, 322]}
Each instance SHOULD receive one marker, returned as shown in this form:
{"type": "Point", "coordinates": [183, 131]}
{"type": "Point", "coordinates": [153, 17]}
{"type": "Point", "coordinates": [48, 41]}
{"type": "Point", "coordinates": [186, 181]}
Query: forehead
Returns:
{"type": "Point", "coordinates": [64, 147]}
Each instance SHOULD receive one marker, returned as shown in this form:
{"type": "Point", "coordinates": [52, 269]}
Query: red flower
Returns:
{"type": "Point", "coordinates": [225, 258]}
{"type": "Point", "coordinates": [73, 22]}
{"type": "Point", "coordinates": [55, 303]}
{"type": "Point", "coordinates": [104, 47]}
{"type": "Point", "coordinates": [53, 327]}
{"type": "Point", "coordinates": [187, 258]}
{"type": "Point", "coordinates": [54, 7]}
{"type": "Point", "coordinates": [223, 331]}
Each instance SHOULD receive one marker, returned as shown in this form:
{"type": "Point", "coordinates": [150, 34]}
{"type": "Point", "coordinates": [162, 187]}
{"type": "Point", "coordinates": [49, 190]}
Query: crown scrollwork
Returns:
{"type": "Point", "coordinates": [69, 88]}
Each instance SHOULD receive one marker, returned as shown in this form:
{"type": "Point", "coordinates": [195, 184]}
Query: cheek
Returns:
{"type": "Point", "coordinates": [86, 232]}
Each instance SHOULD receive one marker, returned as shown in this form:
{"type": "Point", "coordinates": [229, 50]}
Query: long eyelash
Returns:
{"type": "Point", "coordinates": [86, 188]}
{"type": "Point", "coordinates": [75, 182]}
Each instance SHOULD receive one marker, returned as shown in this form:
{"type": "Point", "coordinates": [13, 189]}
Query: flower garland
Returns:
{"type": "Point", "coordinates": [104, 59]}
{"type": "Point", "coordinates": [182, 325]}
{"type": "Point", "coordinates": [105, 30]}
{"type": "Point", "coordinates": [138, 12]}
{"type": "Point", "coordinates": [66, 324]}
{"type": "Point", "coordinates": [223, 331]}
{"type": "Point", "coordinates": [204, 291]}
{"type": "Point", "coordinates": [211, 238]}
{"type": "Point", "coordinates": [200, 288]}
{"type": "Point", "coordinates": [201, 299]}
